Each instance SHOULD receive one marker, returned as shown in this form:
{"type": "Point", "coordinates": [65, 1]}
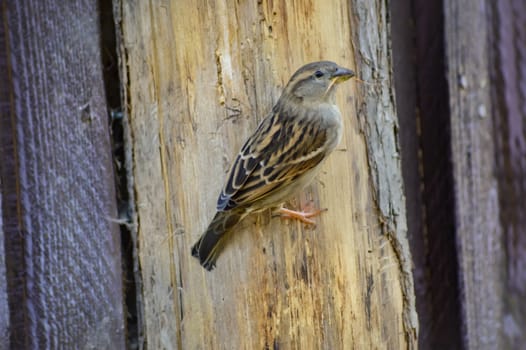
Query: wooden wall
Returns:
{"type": "Point", "coordinates": [460, 77]}
{"type": "Point", "coordinates": [60, 280]}
{"type": "Point", "coordinates": [423, 244]}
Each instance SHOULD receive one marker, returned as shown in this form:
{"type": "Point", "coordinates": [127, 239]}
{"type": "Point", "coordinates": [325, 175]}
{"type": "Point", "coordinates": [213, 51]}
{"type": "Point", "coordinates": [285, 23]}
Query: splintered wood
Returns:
{"type": "Point", "coordinates": [198, 78]}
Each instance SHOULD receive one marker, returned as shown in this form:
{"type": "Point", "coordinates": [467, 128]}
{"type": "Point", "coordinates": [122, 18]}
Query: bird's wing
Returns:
{"type": "Point", "coordinates": [280, 150]}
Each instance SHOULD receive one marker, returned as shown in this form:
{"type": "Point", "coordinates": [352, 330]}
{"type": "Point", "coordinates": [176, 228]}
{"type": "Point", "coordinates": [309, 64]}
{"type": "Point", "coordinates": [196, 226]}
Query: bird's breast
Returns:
{"type": "Point", "coordinates": [330, 120]}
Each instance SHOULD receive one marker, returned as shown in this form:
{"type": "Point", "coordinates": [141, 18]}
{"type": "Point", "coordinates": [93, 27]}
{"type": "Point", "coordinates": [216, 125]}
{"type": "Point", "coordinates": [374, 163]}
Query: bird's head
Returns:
{"type": "Point", "coordinates": [316, 82]}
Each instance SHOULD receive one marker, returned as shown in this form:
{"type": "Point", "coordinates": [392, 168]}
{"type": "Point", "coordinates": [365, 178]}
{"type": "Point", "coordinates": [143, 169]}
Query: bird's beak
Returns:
{"type": "Point", "coordinates": [342, 74]}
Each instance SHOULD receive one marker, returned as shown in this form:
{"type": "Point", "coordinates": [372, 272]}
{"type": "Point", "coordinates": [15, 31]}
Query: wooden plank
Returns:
{"type": "Point", "coordinates": [62, 246]}
{"type": "Point", "coordinates": [198, 77]}
{"type": "Point", "coordinates": [493, 314]}
{"type": "Point", "coordinates": [4, 110]}
{"type": "Point", "coordinates": [508, 48]}
{"type": "Point", "coordinates": [4, 303]}
{"type": "Point", "coordinates": [479, 234]}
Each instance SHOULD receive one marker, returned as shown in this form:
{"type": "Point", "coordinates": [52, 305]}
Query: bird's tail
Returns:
{"type": "Point", "coordinates": [208, 247]}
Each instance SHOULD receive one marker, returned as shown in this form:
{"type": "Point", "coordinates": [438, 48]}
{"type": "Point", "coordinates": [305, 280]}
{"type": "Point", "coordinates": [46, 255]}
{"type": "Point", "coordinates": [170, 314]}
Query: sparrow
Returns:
{"type": "Point", "coordinates": [282, 156]}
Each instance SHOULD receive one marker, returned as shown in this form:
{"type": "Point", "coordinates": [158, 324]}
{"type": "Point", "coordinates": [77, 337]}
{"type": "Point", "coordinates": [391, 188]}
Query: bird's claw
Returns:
{"type": "Point", "coordinates": [302, 216]}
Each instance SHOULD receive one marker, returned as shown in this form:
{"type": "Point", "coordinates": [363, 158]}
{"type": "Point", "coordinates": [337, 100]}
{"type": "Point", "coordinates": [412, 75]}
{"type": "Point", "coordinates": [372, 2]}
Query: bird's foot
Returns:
{"type": "Point", "coordinates": [303, 216]}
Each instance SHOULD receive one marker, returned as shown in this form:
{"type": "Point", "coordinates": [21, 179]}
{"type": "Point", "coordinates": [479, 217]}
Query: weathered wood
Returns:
{"type": "Point", "coordinates": [380, 126]}
{"type": "Point", "coordinates": [478, 232]}
{"type": "Point", "coordinates": [4, 110]}
{"type": "Point", "coordinates": [198, 77]}
{"type": "Point", "coordinates": [4, 304]}
{"type": "Point", "coordinates": [472, 167]}
{"type": "Point", "coordinates": [62, 246]}
{"type": "Point", "coordinates": [507, 51]}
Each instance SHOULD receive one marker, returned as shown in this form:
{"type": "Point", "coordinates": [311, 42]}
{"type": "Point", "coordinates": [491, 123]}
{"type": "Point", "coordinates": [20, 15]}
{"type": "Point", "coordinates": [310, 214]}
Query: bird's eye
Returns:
{"type": "Point", "coordinates": [318, 74]}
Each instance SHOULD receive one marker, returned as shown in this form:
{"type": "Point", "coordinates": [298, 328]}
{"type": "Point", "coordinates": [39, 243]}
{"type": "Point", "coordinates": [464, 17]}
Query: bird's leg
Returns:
{"type": "Point", "coordinates": [303, 215]}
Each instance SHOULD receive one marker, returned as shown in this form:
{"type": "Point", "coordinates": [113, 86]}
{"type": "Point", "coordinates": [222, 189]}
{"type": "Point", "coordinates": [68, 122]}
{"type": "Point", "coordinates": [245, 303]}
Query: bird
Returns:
{"type": "Point", "coordinates": [281, 157]}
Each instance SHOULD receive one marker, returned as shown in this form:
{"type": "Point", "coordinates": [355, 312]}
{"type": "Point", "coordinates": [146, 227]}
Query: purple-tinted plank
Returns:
{"type": "Point", "coordinates": [4, 110]}
{"type": "Point", "coordinates": [509, 97]}
{"type": "Point", "coordinates": [477, 226]}
{"type": "Point", "coordinates": [4, 305]}
{"type": "Point", "coordinates": [58, 200]}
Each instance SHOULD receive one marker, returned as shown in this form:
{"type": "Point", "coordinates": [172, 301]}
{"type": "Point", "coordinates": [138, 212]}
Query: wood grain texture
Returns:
{"type": "Point", "coordinates": [198, 77]}
{"type": "Point", "coordinates": [62, 246]}
{"type": "Point", "coordinates": [4, 110]}
{"type": "Point", "coordinates": [479, 234]}
{"type": "Point", "coordinates": [508, 56]}
{"type": "Point", "coordinates": [4, 301]}
{"type": "Point", "coordinates": [379, 124]}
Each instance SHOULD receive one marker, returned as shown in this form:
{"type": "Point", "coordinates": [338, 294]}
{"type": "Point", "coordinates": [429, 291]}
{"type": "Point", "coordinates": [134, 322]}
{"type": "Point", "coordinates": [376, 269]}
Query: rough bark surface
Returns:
{"type": "Point", "coordinates": [379, 124]}
{"type": "Point", "coordinates": [198, 78]}
{"type": "Point", "coordinates": [61, 244]}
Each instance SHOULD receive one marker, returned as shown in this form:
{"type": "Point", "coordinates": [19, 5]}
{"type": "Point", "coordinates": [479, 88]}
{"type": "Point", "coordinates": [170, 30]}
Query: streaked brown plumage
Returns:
{"type": "Point", "coordinates": [282, 156]}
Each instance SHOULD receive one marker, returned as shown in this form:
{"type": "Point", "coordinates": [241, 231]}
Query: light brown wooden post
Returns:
{"type": "Point", "coordinates": [198, 78]}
